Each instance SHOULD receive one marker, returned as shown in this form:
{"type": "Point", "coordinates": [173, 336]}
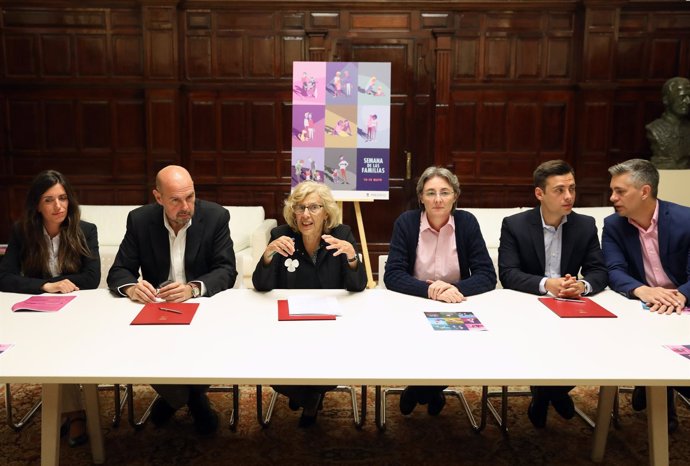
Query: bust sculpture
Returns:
{"type": "Point", "coordinates": [669, 135]}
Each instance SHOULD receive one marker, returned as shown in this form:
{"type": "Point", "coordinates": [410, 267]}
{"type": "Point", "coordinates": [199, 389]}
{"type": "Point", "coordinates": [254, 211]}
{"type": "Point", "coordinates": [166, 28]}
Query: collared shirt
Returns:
{"type": "Point", "coordinates": [654, 273]}
{"type": "Point", "coordinates": [553, 249]}
{"type": "Point", "coordinates": [53, 248]}
{"type": "Point", "coordinates": [437, 252]}
{"type": "Point", "coordinates": [178, 243]}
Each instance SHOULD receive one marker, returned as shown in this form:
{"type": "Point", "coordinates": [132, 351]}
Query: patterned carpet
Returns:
{"type": "Point", "coordinates": [415, 439]}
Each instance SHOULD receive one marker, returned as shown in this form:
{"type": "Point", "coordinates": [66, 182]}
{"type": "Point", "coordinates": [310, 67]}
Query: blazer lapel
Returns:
{"type": "Point", "coordinates": [537, 234]}
{"type": "Point", "coordinates": [633, 244]}
{"type": "Point", "coordinates": [160, 249]}
{"type": "Point", "coordinates": [664, 236]}
{"type": "Point", "coordinates": [195, 234]}
{"type": "Point", "coordinates": [567, 244]}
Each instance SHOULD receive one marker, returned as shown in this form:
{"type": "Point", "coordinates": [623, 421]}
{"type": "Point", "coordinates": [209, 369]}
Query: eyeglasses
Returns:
{"type": "Point", "coordinates": [313, 208]}
{"type": "Point", "coordinates": [433, 194]}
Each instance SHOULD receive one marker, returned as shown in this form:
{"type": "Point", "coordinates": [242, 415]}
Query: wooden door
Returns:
{"type": "Point", "coordinates": [411, 117]}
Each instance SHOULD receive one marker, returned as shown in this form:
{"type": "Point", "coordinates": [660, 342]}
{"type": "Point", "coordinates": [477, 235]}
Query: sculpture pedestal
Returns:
{"type": "Point", "coordinates": [673, 186]}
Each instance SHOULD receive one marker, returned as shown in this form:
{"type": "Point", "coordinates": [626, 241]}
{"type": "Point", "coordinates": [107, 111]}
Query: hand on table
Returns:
{"type": "Point", "coordinates": [565, 287]}
{"type": "Point", "coordinates": [661, 300]}
{"type": "Point", "coordinates": [442, 291]}
{"type": "Point", "coordinates": [63, 286]}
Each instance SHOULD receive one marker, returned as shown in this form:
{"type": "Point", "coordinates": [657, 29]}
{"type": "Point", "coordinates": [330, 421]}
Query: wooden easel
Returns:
{"type": "Point", "coordinates": [362, 238]}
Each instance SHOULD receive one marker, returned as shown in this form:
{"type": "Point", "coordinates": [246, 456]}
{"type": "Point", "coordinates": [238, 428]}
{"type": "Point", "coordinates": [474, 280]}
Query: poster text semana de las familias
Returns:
{"type": "Point", "coordinates": [341, 127]}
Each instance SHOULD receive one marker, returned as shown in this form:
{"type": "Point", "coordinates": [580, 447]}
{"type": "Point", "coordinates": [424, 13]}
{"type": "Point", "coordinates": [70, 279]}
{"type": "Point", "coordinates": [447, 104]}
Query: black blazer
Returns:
{"type": "Point", "coordinates": [12, 279]}
{"type": "Point", "coordinates": [208, 257]}
{"type": "Point", "coordinates": [521, 251]}
{"type": "Point", "coordinates": [329, 271]}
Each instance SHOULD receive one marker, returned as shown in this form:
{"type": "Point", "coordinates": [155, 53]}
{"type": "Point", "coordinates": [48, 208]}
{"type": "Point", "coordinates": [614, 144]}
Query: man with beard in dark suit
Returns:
{"type": "Point", "coordinates": [183, 248]}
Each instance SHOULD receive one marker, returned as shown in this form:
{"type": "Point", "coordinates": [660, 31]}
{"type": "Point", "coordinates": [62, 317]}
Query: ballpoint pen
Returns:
{"type": "Point", "coordinates": [167, 309]}
{"type": "Point", "coordinates": [571, 300]}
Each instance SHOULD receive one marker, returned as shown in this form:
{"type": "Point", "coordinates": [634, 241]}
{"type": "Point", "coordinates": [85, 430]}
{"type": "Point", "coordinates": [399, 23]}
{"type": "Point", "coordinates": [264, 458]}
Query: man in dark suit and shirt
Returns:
{"type": "Point", "coordinates": [542, 251]}
{"type": "Point", "coordinates": [646, 246]}
{"type": "Point", "coordinates": [183, 247]}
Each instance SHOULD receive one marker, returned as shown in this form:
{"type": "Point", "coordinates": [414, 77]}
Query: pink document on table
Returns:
{"type": "Point", "coordinates": [43, 303]}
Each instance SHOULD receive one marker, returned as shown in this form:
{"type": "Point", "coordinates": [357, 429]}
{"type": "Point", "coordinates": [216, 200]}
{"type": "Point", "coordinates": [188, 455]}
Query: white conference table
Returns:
{"type": "Point", "coordinates": [381, 338]}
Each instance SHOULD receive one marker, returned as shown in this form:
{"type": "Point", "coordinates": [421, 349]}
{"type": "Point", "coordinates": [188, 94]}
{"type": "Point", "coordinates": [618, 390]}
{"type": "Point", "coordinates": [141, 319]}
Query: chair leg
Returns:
{"type": "Point", "coordinates": [119, 400]}
{"type": "Point", "coordinates": [264, 420]}
{"type": "Point", "coordinates": [17, 426]}
{"type": "Point", "coordinates": [235, 411]}
{"type": "Point", "coordinates": [501, 419]}
{"type": "Point", "coordinates": [381, 395]}
{"type": "Point", "coordinates": [137, 425]}
{"type": "Point", "coordinates": [358, 420]}
{"type": "Point", "coordinates": [684, 399]}
{"type": "Point", "coordinates": [488, 407]}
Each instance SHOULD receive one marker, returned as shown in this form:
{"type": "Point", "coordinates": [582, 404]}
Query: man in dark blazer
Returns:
{"type": "Point", "coordinates": [183, 248]}
{"type": "Point", "coordinates": [544, 250]}
{"type": "Point", "coordinates": [646, 246]}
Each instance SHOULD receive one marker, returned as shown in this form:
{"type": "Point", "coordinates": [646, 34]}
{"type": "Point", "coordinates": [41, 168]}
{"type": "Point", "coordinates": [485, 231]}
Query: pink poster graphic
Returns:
{"type": "Point", "coordinates": [341, 127]}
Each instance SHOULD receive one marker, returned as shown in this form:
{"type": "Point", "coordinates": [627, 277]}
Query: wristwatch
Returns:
{"type": "Point", "coordinates": [354, 259]}
{"type": "Point", "coordinates": [195, 289]}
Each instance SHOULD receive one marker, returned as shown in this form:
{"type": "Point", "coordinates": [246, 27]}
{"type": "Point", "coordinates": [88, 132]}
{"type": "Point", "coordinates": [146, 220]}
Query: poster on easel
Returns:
{"type": "Point", "coordinates": [341, 127]}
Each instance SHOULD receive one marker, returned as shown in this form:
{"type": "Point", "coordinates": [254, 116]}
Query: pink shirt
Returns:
{"type": "Point", "coordinates": [437, 252]}
{"type": "Point", "coordinates": [649, 243]}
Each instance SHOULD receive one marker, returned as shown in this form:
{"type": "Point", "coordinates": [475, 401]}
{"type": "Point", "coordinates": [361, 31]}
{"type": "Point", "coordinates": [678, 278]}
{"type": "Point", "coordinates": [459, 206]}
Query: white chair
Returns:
{"type": "Point", "coordinates": [382, 271]}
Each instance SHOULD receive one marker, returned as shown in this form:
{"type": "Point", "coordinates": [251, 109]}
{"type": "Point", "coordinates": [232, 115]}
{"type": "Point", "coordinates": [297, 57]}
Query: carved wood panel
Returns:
{"type": "Point", "coordinates": [110, 92]}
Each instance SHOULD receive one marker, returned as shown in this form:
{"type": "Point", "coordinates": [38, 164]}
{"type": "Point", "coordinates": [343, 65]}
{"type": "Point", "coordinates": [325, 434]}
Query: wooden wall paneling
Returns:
{"type": "Point", "coordinates": [163, 133]}
{"type": "Point", "coordinates": [91, 52]}
{"type": "Point", "coordinates": [202, 135]}
{"type": "Point", "coordinates": [20, 55]}
{"type": "Point", "coordinates": [671, 39]}
{"type": "Point", "coordinates": [110, 92]}
{"type": "Point", "coordinates": [600, 34]}
{"type": "Point", "coordinates": [504, 135]}
{"type": "Point", "coordinates": [160, 40]}
{"type": "Point", "coordinates": [594, 138]}
{"type": "Point", "coordinates": [120, 52]}
{"type": "Point", "coordinates": [442, 130]}
{"type": "Point", "coordinates": [57, 55]}
{"type": "Point", "coordinates": [316, 48]}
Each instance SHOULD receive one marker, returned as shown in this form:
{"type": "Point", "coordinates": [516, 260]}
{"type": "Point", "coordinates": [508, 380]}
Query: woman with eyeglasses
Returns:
{"type": "Point", "coordinates": [437, 252]}
{"type": "Point", "coordinates": [312, 250]}
{"type": "Point", "coordinates": [52, 251]}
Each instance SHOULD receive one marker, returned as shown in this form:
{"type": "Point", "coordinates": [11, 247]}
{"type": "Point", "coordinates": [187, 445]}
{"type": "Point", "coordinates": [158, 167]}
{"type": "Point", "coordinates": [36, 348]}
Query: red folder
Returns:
{"type": "Point", "coordinates": [584, 307]}
{"type": "Point", "coordinates": [156, 314]}
{"type": "Point", "coordinates": [284, 313]}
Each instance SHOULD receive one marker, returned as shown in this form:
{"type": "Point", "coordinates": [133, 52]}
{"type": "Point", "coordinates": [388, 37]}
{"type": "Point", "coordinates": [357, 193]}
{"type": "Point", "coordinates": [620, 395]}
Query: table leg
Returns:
{"type": "Point", "coordinates": [601, 429]}
{"type": "Point", "coordinates": [93, 420]}
{"type": "Point", "coordinates": [50, 424]}
{"type": "Point", "coordinates": [657, 425]}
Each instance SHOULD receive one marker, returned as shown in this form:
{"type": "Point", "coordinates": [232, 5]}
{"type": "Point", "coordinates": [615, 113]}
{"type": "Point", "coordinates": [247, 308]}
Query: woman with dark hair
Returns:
{"type": "Point", "coordinates": [437, 252]}
{"type": "Point", "coordinates": [313, 250]}
{"type": "Point", "coordinates": [51, 250]}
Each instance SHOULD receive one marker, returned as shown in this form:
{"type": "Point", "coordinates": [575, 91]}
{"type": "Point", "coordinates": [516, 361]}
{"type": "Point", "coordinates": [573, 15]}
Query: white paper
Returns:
{"type": "Point", "coordinates": [312, 305]}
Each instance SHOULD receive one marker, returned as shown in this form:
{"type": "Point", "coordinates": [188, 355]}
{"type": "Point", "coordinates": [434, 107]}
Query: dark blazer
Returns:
{"type": "Point", "coordinates": [12, 279]}
{"type": "Point", "coordinates": [623, 254]}
{"type": "Point", "coordinates": [208, 256]}
{"type": "Point", "coordinates": [477, 274]}
{"type": "Point", "coordinates": [521, 253]}
{"type": "Point", "coordinates": [329, 271]}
